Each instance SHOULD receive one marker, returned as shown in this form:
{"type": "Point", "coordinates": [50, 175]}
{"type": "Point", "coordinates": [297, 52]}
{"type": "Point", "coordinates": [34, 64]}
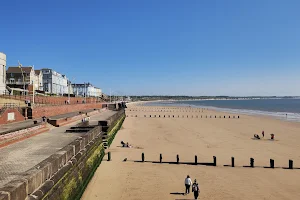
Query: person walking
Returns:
{"type": "Point", "coordinates": [188, 183]}
{"type": "Point", "coordinates": [195, 189]}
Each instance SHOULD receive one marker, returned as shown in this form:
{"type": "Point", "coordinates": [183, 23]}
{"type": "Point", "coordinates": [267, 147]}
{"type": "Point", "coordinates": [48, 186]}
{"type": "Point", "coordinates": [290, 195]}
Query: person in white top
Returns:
{"type": "Point", "coordinates": [188, 183]}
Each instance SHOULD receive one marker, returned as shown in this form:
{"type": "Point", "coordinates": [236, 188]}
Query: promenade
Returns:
{"type": "Point", "coordinates": [22, 156]}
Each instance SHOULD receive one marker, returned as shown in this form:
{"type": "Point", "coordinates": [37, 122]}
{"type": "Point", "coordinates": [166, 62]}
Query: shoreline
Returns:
{"type": "Point", "coordinates": [291, 117]}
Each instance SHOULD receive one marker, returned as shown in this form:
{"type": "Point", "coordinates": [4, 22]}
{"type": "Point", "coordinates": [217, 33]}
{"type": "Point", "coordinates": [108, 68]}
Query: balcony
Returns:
{"type": "Point", "coordinates": [17, 82]}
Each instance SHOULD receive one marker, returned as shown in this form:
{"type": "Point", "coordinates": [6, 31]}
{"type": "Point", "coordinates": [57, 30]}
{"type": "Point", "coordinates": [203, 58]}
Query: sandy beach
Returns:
{"type": "Point", "coordinates": [204, 137]}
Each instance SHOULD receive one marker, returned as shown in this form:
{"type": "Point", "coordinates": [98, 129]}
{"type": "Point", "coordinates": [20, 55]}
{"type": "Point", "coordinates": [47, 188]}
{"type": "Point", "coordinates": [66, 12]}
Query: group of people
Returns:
{"type": "Point", "coordinates": [263, 135]}
{"type": "Point", "coordinates": [195, 187]}
{"type": "Point", "coordinates": [125, 144]}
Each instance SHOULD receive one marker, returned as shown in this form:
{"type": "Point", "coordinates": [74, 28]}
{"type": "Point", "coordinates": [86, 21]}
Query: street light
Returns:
{"type": "Point", "coordinates": [70, 89]}
{"type": "Point", "coordinates": [85, 89]}
{"type": "Point", "coordinates": [20, 66]}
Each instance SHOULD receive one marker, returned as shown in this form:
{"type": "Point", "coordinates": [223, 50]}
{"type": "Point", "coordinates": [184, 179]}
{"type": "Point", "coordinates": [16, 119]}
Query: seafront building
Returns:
{"type": "Point", "coordinates": [54, 82]}
{"type": "Point", "coordinates": [39, 80]}
{"type": "Point", "coordinates": [19, 78]}
{"type": "Point", "coordinates": [86, 89]}
{"type": "Point", "coordinates": [2, 73]}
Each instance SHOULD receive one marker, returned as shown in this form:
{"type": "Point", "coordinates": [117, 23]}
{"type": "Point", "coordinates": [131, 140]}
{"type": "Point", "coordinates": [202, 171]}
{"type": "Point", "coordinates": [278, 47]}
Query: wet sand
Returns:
{"type": "Point", "coordinates": [204, 137]}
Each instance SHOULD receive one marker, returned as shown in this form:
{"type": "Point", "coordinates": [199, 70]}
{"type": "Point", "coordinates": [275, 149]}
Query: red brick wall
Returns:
{"type": "Point", "coordinates": [18, 116]}
{"type": "Point", "coordinates": [49, 111]}
{"type": "Point", "coordinates": [51, 100]}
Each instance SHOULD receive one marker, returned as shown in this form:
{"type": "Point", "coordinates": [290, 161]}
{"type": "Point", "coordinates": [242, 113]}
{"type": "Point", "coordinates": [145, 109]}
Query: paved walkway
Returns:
{"type": "Point", "coordinates": [72, 114]}
{"type": "Point", "coordinates": [21, 156]}
{"type": "Point", "coordinates": [24, 124]}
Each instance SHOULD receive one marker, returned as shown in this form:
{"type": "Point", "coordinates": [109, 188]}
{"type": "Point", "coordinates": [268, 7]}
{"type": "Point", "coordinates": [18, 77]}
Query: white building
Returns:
{"type": "Point", "coordinates": [54, 82]}
{"type": "Point", "coordinates": [2, 73]}
{"type": "Point", "coordinates": [86, 89]}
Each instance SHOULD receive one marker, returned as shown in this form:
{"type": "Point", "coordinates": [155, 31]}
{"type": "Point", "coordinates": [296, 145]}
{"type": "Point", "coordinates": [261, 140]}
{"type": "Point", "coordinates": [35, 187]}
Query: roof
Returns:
{"type": "Point", "coordinates": [18, 70]}
{"type": "Point", "coordinates": [37, 72]}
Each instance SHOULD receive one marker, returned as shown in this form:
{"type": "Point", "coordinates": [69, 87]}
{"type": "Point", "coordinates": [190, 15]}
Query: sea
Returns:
{"type": "Point", "coordinates": [284, 109]}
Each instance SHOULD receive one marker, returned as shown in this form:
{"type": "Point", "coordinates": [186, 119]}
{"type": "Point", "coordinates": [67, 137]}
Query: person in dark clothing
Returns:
{"type": "Point", "coordinates": [256, 136]}
{"type": "Point", "coordinates": [263, 133]}
{"type": "Point", "coordinates": [123, 143]}
{"type": "Point", "coordinates": [195, 189]}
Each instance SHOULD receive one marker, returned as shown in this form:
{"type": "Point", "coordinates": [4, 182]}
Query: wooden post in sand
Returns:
{"type": "Point", "coordinates": [232, 161]}
{"type": "Point", "coordinates": [215, 161]}
{"type": "Point", "coordinates": [271, 163]}
{"type": "Point", "coordinates": [251, 162]}
{"type": "Point", "coordinates": [160, 158]}
{"type": "Point", "coordinates": [196, 160]}
{"type": "Point", "coordinates": [290, 164]}
{"type": "Point", "coordinates": [108, 156]}
{"type": "Point", "coordinates": [177, 158]}
{"type": "Point", "coordinates": [143, 157]}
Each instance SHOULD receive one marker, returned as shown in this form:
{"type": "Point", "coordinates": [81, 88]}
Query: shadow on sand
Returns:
{"type": "Point", "coordinates": [177, 193]}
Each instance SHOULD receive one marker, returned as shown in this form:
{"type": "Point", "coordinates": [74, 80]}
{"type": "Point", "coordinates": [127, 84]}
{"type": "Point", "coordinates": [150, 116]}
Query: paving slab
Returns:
{"type": "Point", "coordinates": [21, 156]}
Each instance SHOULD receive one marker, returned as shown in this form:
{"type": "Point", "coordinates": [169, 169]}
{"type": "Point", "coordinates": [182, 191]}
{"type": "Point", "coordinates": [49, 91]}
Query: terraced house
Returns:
{"type": "Point", "coordinates": [19, 77]}
{"type": "Point", "coordinates": [54, 82]}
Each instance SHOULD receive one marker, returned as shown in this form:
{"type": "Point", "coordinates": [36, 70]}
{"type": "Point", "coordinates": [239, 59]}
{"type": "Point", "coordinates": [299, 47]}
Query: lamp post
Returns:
{"type": "Point", "coordinates": [20, 66]}
{"type": "Point", "coordinates": [85, 89]}
{"type": "Point", "coordinates": [109, 95]}
{"type": "Point", "coordinates": [69, 89]}
{"type": "Point", "coordinates": [33, 89]}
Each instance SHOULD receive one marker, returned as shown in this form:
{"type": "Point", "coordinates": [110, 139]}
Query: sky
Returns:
{"type": "Point", "coordinates": [160, 47]}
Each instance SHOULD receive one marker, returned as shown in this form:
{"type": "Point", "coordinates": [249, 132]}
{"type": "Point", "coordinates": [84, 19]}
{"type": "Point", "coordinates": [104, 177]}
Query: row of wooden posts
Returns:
{"type": "Point", "coordinates": [165, 110]}
{"type": "Point", "coordinates": [192, 116]}
{"type": "Point", "coordinates": [184, 108]}
{"type": "Point", "coordinates": [214, 163]}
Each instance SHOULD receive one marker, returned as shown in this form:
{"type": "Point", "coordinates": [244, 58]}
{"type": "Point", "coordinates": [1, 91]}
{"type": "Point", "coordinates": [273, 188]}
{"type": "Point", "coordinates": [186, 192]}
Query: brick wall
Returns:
{"type": "Point", "coordinates": [4, 115]}
{"type": "Point", "coordinates": [49, 111]}
{"type": "Point", "coordinates": [51, 100]}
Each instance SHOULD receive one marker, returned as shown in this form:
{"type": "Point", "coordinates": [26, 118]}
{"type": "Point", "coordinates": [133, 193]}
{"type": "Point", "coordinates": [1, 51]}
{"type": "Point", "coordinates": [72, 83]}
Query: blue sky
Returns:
{"type": "Point", "coordinates": [169, 47]}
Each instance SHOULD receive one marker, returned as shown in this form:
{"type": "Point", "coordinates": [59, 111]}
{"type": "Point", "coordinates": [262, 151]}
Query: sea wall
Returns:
{"type": "Point", "coordinates": [48, 111]}
{"type": "Point", "coordinates": [65, 174]}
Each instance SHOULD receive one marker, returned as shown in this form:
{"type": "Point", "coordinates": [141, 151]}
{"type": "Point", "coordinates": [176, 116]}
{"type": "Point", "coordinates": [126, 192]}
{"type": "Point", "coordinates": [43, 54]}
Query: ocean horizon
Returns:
{"type": "Point", "coordinates": [285, 109]}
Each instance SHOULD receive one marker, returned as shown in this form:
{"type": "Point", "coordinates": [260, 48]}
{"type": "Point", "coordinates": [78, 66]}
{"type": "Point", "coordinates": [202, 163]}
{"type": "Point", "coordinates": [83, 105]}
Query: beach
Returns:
{"type": "Point", "coordinates": [189, 135]}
